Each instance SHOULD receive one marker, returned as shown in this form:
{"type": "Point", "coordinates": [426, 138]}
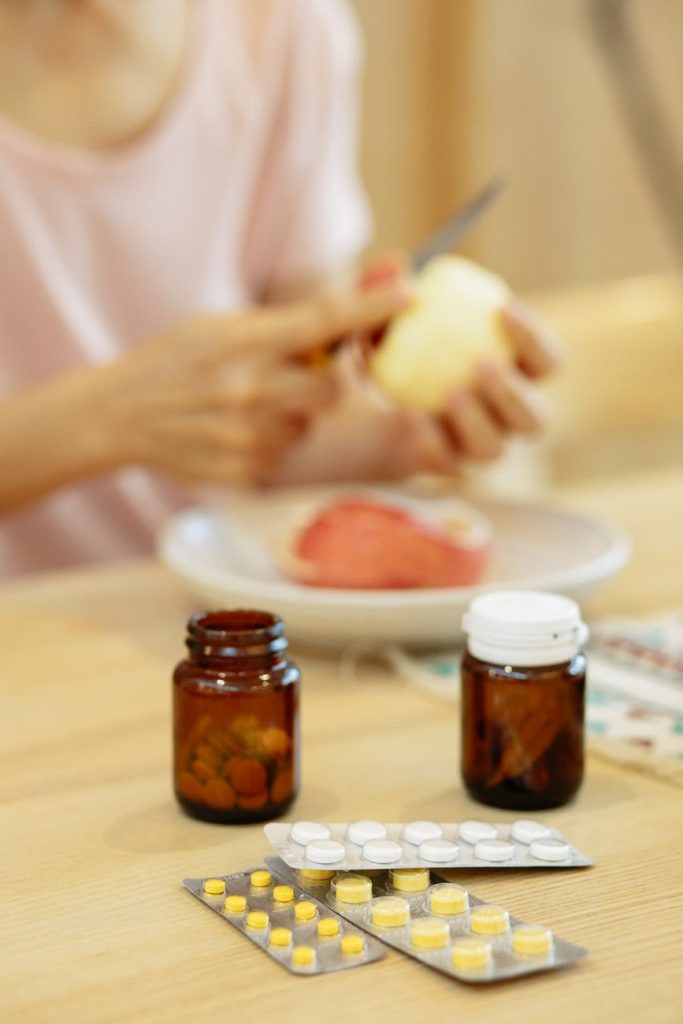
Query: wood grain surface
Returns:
{"type": "Point", "coordinates": [96, 927]}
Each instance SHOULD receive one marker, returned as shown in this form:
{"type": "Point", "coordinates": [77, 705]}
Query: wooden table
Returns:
{"type": "Point", "coordinates": [93, 847]}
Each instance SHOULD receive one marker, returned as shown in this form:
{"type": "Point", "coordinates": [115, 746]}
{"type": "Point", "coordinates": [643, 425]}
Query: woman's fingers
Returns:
{"type": "Point", "coordinates": [385, 270]}
{"type": "Point", "coordinates": [305, 326]}
{"type": "Point", "coordinates": [472, 428]}
{"type": "Point", "coordinates": [502, 402]}
{"type": "Point", "coordinates": [290, 389]}
{"type": "Point", "coordinates": [514, 401]}
{"type": "Point", "coordinates": [430, 448]}
{"type": "Point", "coordinates": [246, 388]}
{"type": "Point", "coordinates": [538, 351]}
{"type": "Point", "coordinates": [231, 432]}
{"type": "Point", "coordinates": [212, 467]}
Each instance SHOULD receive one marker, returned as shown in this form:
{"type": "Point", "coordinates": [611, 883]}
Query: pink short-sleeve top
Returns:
{"type": "Point", "coordinates": [247, 182]}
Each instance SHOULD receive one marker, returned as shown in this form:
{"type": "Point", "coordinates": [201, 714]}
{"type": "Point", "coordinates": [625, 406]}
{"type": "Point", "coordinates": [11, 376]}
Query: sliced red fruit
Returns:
{"type": "Point", "coordinates": [359, 543]}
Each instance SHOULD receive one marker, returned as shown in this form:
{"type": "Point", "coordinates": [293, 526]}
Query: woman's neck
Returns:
{"type": "Point", "coordinates": [92, 74]}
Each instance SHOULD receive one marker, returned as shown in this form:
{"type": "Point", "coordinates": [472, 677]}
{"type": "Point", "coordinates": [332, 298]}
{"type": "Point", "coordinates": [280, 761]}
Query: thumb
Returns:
{"type": "Point", "coordinates": [315, 323]}
{"type": "Point", "coordinates": [390, 267]}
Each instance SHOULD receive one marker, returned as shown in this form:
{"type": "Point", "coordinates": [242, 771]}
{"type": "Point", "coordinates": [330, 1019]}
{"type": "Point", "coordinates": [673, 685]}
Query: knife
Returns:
{"type": "Point", "coordinates": [448, 235]}
{"type": "Point", "coordinates": [443, 240]}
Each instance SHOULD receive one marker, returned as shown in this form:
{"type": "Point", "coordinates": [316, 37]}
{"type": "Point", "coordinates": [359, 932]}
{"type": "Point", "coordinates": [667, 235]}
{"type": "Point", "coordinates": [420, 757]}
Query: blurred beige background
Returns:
{"type": "Point", "coordinates": [457, 90]}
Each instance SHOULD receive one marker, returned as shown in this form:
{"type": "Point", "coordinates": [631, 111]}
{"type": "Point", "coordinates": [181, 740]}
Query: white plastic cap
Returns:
{"type": "Point", "coordinates": [524, 628]}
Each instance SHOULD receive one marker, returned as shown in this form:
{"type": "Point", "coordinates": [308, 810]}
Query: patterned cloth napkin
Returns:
{"type": "Point", "coordinates": [634, 708]}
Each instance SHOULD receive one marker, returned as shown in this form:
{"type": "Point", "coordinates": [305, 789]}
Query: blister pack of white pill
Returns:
{"type": "Point", "coordinates": [293, 927]}
{"type": "Point", "coordinates": [467, 844]}
{"type": "Point", "coordinates": [438, 923]}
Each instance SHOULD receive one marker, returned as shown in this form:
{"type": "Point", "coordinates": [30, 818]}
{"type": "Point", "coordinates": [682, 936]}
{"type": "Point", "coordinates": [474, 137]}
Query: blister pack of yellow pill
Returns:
{"type": "Point", "coordinates": [364, 845]}
{"type": "Point", "coordinates": [439, 923]}
{"type": "Point", "coordinates": [293, 927]}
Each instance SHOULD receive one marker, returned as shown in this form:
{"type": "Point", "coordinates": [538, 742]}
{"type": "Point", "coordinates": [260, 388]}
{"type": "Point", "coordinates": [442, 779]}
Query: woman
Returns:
{"type": "Point", "coordinates": [175, 178]}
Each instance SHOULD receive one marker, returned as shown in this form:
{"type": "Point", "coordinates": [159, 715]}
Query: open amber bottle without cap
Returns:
{"type": "Point", "coordinates": [235, 710]}
{"type": "Point", "coordinates": [523, 685]}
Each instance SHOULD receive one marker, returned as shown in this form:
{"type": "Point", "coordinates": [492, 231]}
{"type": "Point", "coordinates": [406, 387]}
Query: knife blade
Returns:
{"type": "Point", "coordinates": [450, 233]}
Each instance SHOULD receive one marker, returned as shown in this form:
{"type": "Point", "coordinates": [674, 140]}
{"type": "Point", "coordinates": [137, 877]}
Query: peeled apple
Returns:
{"type": "Point", "coordinates": [434, 346]}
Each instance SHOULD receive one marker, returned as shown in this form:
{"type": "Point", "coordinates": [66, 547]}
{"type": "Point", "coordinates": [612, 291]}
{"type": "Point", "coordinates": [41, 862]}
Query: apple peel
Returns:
{"type": "Point", "coordinates": [360, 543]}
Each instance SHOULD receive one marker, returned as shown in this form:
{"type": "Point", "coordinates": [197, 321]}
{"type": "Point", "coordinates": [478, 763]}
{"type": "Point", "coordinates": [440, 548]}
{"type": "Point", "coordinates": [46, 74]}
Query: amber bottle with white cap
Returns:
{"type": "Point", "coordinates": [523, 684]}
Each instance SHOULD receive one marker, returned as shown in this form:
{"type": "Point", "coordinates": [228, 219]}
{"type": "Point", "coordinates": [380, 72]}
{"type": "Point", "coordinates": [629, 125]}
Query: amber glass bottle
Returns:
{"type": "Point", "coordinates": [523, 683]}
{"type": "Point", "coordinates": [235, 711]}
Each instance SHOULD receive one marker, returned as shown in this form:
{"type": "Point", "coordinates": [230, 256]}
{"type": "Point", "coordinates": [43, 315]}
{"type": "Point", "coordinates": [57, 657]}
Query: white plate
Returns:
{"type": "Point", "coordinates": [225, 557]}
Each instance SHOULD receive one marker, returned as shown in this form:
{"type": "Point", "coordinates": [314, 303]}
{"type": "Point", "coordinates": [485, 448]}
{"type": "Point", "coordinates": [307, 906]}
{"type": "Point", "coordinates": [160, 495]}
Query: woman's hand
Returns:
{"type": "Point", "coordinates": [218, 398]}
{"type": "Point", "coordinates": [222, 398]}
{"type": "Point", "coordinates": [363, 439]}
{"type": "Point", "coordinates": [502, 401]}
